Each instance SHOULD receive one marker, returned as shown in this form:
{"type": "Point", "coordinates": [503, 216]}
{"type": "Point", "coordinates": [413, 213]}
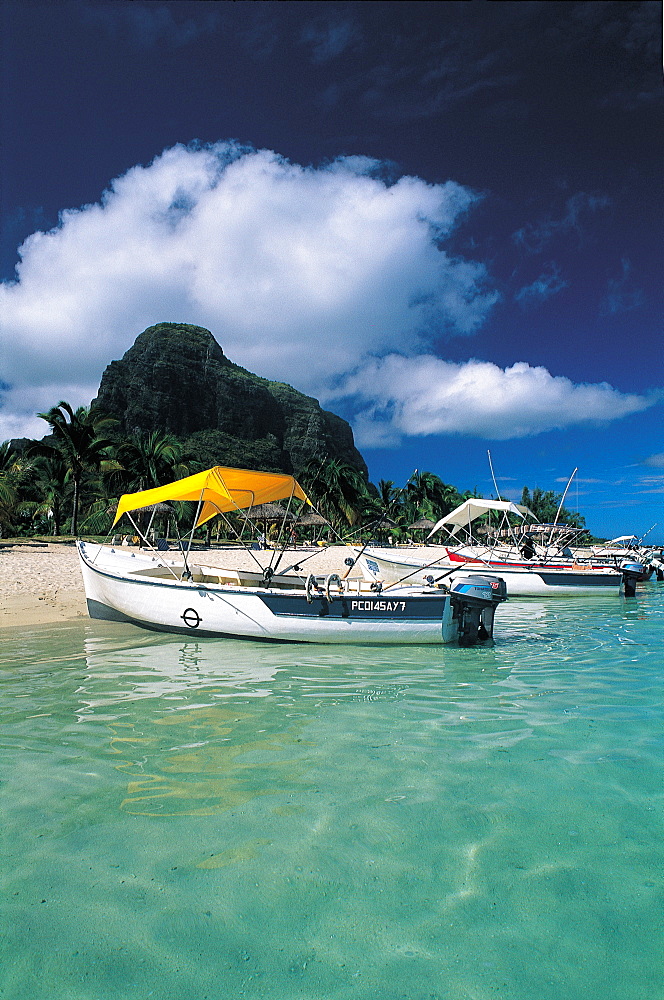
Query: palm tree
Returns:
{"type": "Point", "coordinates": [150, 459]}
{"type": "Point", "coordinates": [428, 496]}
{"type": "Point", "coordinates": [388, 497]}
{"type": "Point", "coordinates": [14, 470]}
{"type": "Point", "coordinates": [50, 482]}
{"type": "Point", "coordinates": [339, 489]}
{"type": "Point", "coordinates": [78, 438]}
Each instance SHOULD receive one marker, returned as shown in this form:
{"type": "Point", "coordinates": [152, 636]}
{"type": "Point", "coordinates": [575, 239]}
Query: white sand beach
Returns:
{"type": "Point", "coordinates": [39, 584]}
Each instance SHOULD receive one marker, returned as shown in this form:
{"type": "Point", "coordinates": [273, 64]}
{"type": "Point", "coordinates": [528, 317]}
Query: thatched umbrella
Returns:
{"type": "Point", "coordinates": [311, 517]}
{"type": "Point", "coordinates": [269, 513]}
{"type": "Point", "coordinates": [158, 508]}
{"type": "Point", "coordinates": [149, 512]}
{"type": "Point", "coordinates": [381, 527]}
{"type": "Point", "coordinates": [311, 520]}
{"type": "Point", "coordinates": [422, 524]}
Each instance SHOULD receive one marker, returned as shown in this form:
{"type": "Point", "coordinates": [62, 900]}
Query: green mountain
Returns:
{"type": "Point", "coordinates": [176, 378]}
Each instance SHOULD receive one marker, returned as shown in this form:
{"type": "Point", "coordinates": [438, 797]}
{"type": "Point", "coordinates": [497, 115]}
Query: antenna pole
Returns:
{"type": "Point", "coordinates": [495, 484]}
{"type": "Point", "coordinates": [569, 483]}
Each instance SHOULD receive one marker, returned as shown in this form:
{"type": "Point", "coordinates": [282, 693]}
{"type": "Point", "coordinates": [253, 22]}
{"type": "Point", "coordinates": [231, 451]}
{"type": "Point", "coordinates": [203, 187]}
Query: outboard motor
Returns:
{"type": "Point", "coordinates": [658, 566]}
{"type": "Point", "coordinates": [631, 572]}
{"type": "Point", "coordinates": [474, 600]}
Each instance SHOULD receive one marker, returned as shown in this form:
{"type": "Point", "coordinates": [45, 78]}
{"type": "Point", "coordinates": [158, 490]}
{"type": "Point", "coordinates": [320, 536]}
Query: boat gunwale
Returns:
{"type": "Point", "coordinates": [415, 592]}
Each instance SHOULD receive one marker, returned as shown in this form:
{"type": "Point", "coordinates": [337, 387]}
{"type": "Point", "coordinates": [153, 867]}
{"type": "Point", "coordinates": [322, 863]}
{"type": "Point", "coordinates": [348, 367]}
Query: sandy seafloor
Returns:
{"type": "Point", "coordinates": [208, 818]}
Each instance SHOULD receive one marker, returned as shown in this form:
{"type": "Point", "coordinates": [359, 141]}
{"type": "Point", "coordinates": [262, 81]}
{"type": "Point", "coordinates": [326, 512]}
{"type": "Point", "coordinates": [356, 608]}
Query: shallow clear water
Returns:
{"type": "Point", "coordinates": [225, 819]}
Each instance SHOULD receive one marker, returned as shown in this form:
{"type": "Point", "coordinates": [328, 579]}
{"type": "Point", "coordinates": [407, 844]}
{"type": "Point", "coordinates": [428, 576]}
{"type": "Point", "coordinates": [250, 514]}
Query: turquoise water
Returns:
{"type": "Point", "coordinates": [223, 819]}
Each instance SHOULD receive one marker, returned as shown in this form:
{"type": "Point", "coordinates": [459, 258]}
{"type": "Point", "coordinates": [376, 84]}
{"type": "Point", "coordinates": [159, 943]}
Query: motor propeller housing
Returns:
{"type": "Point", "coordinates": [631, 572]}
{"type": "Point", "coordinates": [474, 600]}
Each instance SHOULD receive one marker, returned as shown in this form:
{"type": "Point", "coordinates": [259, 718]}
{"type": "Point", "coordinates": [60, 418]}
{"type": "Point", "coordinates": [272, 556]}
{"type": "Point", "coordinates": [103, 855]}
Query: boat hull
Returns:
{"type": "Point", "coordinates": [407, 615]}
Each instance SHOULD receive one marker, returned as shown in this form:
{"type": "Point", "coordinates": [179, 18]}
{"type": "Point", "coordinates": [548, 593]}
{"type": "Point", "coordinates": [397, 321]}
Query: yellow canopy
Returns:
{"type": "Point", "coordinates": [220, 489]}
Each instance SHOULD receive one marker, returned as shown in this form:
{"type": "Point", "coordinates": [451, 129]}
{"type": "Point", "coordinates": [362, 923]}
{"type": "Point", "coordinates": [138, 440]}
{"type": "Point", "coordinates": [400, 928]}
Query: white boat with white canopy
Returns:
{"type": "Point", "coordinates": [513, 554]}
{"type": "Point", "coordinates": [166, 591]}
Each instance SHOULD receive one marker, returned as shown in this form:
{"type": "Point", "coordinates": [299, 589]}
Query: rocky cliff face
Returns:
{"type": "Point", "coordinates": [176, 378]}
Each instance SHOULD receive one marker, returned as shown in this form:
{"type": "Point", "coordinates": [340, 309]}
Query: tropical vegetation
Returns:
{"type": "Point", "coordinates": [69, 483]}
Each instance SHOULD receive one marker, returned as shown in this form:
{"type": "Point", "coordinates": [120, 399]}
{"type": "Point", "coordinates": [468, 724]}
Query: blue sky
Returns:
{"type": "Point", "coordinates": [442, 220]}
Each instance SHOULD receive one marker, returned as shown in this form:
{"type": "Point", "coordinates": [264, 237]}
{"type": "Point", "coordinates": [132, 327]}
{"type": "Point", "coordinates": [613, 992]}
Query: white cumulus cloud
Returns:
{"type": "Point", "coordinates": [400, 396]}
{"type": "Point", "coordinates": [330, 278]}
{"type": "Point", "coordinates": [299, 272]}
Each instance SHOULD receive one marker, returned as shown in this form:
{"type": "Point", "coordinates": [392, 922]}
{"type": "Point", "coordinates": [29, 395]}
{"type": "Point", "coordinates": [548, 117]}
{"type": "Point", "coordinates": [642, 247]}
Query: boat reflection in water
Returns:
{"type": "Point", "coordinates": [168, 668]}
{"type": "Point", "coordinates": [189, 725]}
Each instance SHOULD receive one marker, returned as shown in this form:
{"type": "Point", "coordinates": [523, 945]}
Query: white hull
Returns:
{"type": "Point", "coordinates": [521, 581]}
{"type": "Point", "coordinates": [133, 587]}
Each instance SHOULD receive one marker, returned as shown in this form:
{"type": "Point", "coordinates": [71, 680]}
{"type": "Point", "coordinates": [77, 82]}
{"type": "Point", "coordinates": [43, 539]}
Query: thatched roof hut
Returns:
{"type": "Point", "coordinates": [156, 508]}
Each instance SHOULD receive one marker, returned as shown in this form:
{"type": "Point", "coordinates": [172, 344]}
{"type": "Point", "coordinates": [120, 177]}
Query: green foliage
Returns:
{"type": "Point", "coordinates": [51, 488]}
{"type": "Point", "coordinates": [85, 464]}
{"type": "Point", "coordinates": [15, 505]}
{"type": "Point", "coordinates": [214, 447]}
{"type": "Point", "coordinates": [428, 496]}
{"type": "Point", "coordinates": [338, 490]}
{"type": "Point", "coordinates": [147, 460]}
{"type": "Point", "coordinates": [78, 438]}
{"type": "Point", "coordinates": [545, 504]}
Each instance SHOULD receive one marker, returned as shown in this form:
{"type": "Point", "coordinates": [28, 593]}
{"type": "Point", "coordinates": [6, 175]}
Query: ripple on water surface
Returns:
{"type": "Point", "coordinates": [217, 818]}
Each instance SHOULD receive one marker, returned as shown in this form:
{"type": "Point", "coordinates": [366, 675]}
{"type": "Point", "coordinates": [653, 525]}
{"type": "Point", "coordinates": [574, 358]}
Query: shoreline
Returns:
{"type": "Point", "coordinates": [41, 584]}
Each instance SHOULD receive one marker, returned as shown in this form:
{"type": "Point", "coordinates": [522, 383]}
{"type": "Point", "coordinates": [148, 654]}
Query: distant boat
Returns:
{"type": "Point", "coordinates": [163, 590]}
{"type": "Point", "coordinates": [627, 548]}
{"type": "Point", "coordinates": [522, 580]}
{"type": "Point", "coordinates": [528, 568]}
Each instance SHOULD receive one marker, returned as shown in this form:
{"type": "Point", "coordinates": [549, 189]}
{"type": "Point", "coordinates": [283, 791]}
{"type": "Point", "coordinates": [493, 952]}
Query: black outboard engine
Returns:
{"type": "Point", "coordinates": [474, 600]}
{"type": "Point", "coordinates": [631, 572]}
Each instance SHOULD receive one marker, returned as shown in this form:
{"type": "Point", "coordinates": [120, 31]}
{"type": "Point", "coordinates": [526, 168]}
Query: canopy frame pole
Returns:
{"type": "Point", "coordinates": [186, 572]}
{"type": "Point", "coordinates": [247, 523]}
{"type": "Point", "coordinates": [273, 569]}
{"type": "Point", "coordinates": [138, 530]}
{"type": "Point", "coordinates": [150, 523]}
{"type": "Point", "coordinates": [512, 531]}
{"type": "Point", "coordinates": [639, 541]}
{"type": "Point", "coordinates": [355, 561]}
{"type": "Point", "coordinates": [179, 537]}
{"type": "Point", "coordinates": [240, 510]}
{"type": "Point", "coordinates": [159, 554]}
{"type": "Point", "coordinates": [419, 569]}
{"type": "Point", "coordinates": [341, 540]}
{"type": "Point", "coordinates": [493, 476]}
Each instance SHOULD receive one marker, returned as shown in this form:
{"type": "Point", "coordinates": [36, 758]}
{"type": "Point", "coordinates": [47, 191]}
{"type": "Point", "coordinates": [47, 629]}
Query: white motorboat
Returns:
{"type": "Point", "coordinates": [522, 580]}
{"type": "Point", "coordinates": [628, 548]}
{"type": "Point", "coordinates": [532, 575]}
{"type": "Point", "coordinates": [162, 591]}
